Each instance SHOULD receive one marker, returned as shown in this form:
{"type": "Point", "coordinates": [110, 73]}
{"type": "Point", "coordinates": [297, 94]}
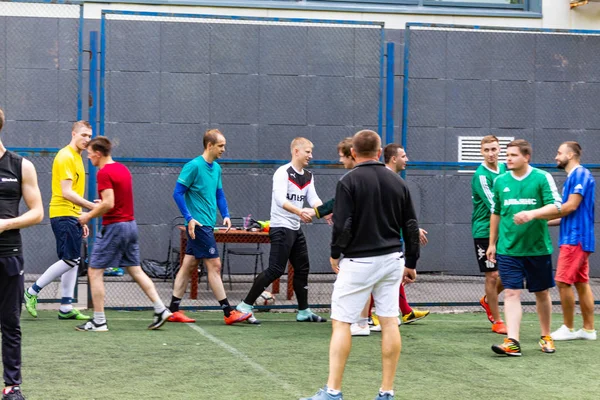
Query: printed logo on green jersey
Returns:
{"type": "Point", "coordinates": [520, 202]}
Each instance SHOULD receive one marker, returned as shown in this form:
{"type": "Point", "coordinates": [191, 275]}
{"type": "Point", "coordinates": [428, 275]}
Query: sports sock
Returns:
{"type": "Point", "coordinates": [404, 307]}
{"type": "Point", "coordinates": [34, 290]}
{"type": "Point", "coordinates": [333, 391]}
{"type": "Point", "coordinates": [175, 302]}
{"type": "Point", "coordinates": [159, 306]}
{"type": "Point", "coordinates": [383, 393]}
{"type": "Point", "coordinates": [68, 280]}
{"type": "Point", "coordinates": [362, 322]}
{"type": "Point", "coordinates": [65, 307]}
{"type": "Point", "coordinates": [587, 330]}
{"type": "Point", "coordinates": [225, 307]}
{"type": "Point", "coordinates": [52, 273]}
{"type": "Point", "coordinates": [99, 318]}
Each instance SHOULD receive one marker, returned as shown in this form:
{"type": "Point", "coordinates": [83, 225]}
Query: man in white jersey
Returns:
{"type": "Point", "coordinates": [292, 184]}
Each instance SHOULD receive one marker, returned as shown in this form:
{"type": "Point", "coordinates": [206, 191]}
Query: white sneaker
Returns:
{"type": "Point", "coordinates": [358, 330]}
{"type": "Point", "coordinates": [582, 334]}
{"type": "Point", "coordinates": [564, 333]}
{"type": "Point", "coordinates": [92, 326]}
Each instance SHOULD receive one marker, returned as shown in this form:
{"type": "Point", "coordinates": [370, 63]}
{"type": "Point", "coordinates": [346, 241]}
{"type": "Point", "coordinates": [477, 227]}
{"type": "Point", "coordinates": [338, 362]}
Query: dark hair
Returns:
{"type": "Point", "coordinates": [1, 119]}
{"type": "Point", "coordinates": [389, 151]}
{"type": "Point", "coordinates": [345, 146]}
{"type": "Point", "coordinates": [211, 136]}
{"type": "Point", "coordinates": [574, 147]}
{"type": "Point", "coordinates": [81, 124]}
{"type": "Point", "coordinates": [101, 144]}
{"type": "Point", "coordinates": [523, 145]}
{"type": "Point", "coordinates": [366, 143]}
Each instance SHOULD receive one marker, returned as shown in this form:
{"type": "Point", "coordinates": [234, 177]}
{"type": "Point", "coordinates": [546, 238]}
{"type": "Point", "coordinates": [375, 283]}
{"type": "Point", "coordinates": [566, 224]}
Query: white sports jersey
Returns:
{"type": "Point", "coordinates": [293, 186]}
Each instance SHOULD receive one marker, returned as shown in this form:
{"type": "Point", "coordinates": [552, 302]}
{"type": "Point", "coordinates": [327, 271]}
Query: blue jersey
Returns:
{"type": "Point", "coordinates": [578, 227]}
{"type": "Point", "coordinates": [203, 180]}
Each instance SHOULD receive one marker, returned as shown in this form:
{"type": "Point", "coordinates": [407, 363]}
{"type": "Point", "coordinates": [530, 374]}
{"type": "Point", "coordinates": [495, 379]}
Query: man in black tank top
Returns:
{"type": "Point", "coordinates": [18, 179]}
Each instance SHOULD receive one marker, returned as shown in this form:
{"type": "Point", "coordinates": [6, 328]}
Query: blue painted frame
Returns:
{"type": "Point", "coordinates": [317, 163]}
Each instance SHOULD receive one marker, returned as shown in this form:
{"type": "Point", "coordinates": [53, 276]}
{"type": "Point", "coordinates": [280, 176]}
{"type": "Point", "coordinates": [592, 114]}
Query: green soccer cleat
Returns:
{"type": "Point", "coordinates": [31, 303]}
{"type": "Point", "coordinates": [73, 314]}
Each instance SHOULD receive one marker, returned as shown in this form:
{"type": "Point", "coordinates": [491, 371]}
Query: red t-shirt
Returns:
{"type": "Point", "coordinates": [117, 177]}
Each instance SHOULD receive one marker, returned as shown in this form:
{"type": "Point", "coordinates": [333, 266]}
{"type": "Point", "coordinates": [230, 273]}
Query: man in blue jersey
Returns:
{"type": "Point", "coordinates": [576, 241]}
{"type": "Point", "coordinates": [198, 193]}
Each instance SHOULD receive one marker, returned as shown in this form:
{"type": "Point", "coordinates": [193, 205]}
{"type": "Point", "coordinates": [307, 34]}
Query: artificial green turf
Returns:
{"type": "Point", "coordinates": [443, 357]}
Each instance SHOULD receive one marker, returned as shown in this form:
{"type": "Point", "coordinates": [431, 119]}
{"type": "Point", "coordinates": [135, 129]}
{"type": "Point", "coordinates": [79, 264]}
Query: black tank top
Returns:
{"type": "Point", "coordinates": [10, 197]}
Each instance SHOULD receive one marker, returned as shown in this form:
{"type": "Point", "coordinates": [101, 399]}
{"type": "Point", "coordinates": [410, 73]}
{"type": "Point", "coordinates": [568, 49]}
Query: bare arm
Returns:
{"type": "Point", "coordinates": [491, 250]}
{"type": "Point", "coordinates": [105, 205]}
{"type": "Point", "coordinates": [33, 199]}
{"type": "Point", "coordinates": [69, 194]}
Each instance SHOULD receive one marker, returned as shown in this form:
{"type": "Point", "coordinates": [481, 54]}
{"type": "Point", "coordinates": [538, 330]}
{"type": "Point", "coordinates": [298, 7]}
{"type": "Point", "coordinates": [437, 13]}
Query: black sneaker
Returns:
{"type": "Point", "coordinates": [92, 326]}
{"type": "Point", "coordinates": [14, 394]}
{"type": "Point", "coordinates": [159, 319]}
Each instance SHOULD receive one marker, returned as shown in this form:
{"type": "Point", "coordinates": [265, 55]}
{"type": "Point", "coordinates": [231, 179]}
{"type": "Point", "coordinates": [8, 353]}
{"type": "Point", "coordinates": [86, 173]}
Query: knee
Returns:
{"type": "Point", "coordinates": [274, 272]}
{"type": "Point", "coordinates": [562, 285]}
{"type": "Point", "coordinates": [491, 277]}
{"type": "Point", "coordinates": [511, 294]}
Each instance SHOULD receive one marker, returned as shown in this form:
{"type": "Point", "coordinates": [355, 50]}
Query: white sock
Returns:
{"type": "Point", "coordinates": [55, 271]}
{"type": "Point", "coordinates": [362, 322]}
{"type": "Point", "coordinates": [333, 391]}
{"type": "Point", "coordinates": [158, 306]}
{"type": "Point", "coordinates": [65, 308]}
{"type": "Point", "coordinates": [390, 392]}
{"type": "Point", "coordinates": [32, 292]}
{"type": "Point", "coordinates": [99, 317]}
{"type": "Point", "coordinates": [68, 280]}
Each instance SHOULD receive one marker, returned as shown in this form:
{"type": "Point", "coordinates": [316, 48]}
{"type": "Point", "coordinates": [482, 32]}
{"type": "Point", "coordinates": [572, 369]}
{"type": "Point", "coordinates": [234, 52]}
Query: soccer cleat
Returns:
{"type": "Point", "coordinates": [374, 320]}
{"type": "Point", "coordinates": [384, 396]}
{"type": "Point", "coordinates": [323, 395]}
{"type": "Point", "coordinates": [159, 319]}
{"type": "Point", "coordinates": [499, 327]}
{"type": "Point", "coordinates": [235, 316]}
{"type": "Point", "coordinates": [31, 303]}
{"type": "Point", "coordinates": [13, 394]}
{"type": "Point", "coordinates": [585, 335]}
{"type": "Point", "coordinates": [357, 330]}
{"type": "Point", "coordinates": [92, 326]}
{"type": "Point", "coordinates": [73, 314]}
{"type": "Point", "coordinates": [547, 344]}
{"type": "Point", "coordinates": [179, 316]}
{"type": "Point", "coordinates": [487, 309]}
{"type": "Point", "coordinates": [312, 317]}
{"type": "Point", "coordinates": [564, 333]}
{"type": "Point", "coordinates": [377, 327]}
{"type": "Point", "coordinates": [370, 321]}
{"type": "Point", "coordinates": [252, 320]}
{"type": "Point", "coordinates": [510, 347]}
{"type": "Point", "coordinates": [413, 316]}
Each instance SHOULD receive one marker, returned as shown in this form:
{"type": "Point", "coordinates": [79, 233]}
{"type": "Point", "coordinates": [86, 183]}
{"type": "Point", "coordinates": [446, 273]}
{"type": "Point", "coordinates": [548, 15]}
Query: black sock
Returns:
{"type": "Point", "coordinates": [225, 307]}
{"type": "Point", "coordinates": [260, 284]}
{"type": "Point", "coordinates": [175, 302]}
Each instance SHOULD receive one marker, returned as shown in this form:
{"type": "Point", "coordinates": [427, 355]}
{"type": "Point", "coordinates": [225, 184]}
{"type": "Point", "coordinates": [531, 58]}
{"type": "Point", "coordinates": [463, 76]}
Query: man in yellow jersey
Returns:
{"type": "Point", "coordinates": [68, 187]}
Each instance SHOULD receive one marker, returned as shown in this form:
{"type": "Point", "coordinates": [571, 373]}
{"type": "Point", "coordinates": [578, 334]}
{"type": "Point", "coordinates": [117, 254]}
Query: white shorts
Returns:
{"type": "Point", "coordinates": [358, 278]}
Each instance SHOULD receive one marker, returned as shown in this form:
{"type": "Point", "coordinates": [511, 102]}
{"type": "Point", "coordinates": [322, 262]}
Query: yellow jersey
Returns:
{"type": "Point", "coordinates": [68, 164]}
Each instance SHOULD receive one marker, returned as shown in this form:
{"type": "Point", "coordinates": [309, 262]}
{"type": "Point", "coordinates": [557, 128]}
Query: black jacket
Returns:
{"type": "Point", "coordinates": [372, 210]}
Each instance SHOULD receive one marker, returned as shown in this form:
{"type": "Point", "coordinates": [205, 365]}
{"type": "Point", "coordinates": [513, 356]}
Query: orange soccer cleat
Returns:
{"type": "Point", "coordinates": [236, 316]}
{"type": "Point", "coordinates": [179, 316]}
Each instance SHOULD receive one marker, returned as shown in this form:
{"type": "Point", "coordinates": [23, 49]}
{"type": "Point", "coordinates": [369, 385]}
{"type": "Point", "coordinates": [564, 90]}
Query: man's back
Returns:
{"type": "Point", "coordinates": [372, 209]}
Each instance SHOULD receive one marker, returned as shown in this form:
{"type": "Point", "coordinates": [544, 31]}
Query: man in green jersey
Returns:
{"type": "Point", "coordinates": [481, 189]}
{"type": "Point", "coordinates": [522, 251]}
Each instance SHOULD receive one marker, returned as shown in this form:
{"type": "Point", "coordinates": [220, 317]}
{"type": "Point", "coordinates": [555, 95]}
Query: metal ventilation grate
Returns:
{"type": "Point", "coordinates": [469, 149]}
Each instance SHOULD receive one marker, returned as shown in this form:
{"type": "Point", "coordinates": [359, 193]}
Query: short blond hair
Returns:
{"type": "Point", "coordinates": [489, 139]}
{"type": "Point", "coordinates": [77, 126]}
{"type": "Point", "coordinates": [300, 141]}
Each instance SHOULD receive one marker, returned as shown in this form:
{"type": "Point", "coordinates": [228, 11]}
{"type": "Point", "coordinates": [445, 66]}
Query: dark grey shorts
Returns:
{"type": "Point", "coordinates": [117, 245]}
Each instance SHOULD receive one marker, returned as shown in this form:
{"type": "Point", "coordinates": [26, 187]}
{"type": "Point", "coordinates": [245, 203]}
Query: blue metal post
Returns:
{"type": "Point", "coordinates": [389, 98]}
{"type": "Point", "coordinates": [101, 104]}
{"type": "Point", "coordinates": [80, 66]}
{"type": "Point", "coordinates": [405, 90]}
{"type": "Point", "coordinates": [381, 71]}
{"type": "Point", "coordinates": [93, 112]}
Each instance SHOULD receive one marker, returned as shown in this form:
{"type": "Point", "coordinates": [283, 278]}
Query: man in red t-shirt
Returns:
{"type": "Point", "coordinates": [117, 245]}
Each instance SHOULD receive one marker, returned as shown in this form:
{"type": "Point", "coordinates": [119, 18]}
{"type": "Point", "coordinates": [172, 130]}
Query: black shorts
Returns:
{"type": "Point", "coordinates": [481, 245]}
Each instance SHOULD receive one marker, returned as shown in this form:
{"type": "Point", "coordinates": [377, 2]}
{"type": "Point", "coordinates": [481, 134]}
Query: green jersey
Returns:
{"type": "Point", "coordinates": [481, 189]}
{"type": "Point", "coordinates": [511, 195]}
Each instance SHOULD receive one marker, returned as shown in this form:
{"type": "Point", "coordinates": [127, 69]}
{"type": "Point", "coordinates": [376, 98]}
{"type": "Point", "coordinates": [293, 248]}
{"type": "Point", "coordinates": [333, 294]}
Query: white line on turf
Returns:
{"type": "Point", "coordinates": [259, 368]}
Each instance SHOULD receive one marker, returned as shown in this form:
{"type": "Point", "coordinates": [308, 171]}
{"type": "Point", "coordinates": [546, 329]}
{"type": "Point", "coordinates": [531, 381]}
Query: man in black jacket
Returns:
{"type": "Point", "coordinates": [372, 207]}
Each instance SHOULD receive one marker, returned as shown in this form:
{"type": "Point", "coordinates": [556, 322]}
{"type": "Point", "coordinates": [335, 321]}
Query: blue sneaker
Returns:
{"type": "Point", "coordinates": [385, 396]}
{"type": "Point", "coordinates": [323, 395]}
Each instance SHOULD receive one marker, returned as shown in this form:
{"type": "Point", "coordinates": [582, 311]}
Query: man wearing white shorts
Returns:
{"type": "Point", "coordinates": [372, 208]}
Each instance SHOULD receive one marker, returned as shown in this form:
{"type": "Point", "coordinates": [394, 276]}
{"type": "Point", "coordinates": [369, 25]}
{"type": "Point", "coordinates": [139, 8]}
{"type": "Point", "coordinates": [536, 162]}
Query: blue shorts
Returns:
{"type": "Point", "coordinates": [69, 235]}
{"type": "Point", "coordinates": [535, 270]}
{"type": "Point", "coordinates": [116, 246]}
{"type": "Point", "coordinates": [204, 246]}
